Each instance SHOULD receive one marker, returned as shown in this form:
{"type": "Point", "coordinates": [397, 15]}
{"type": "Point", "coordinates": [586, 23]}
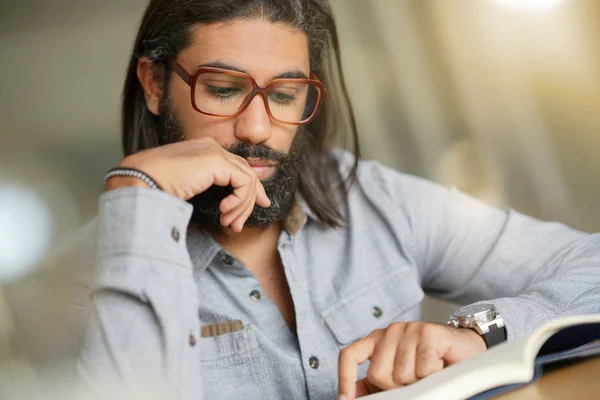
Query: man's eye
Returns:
{"type": "Point", "coordinates": [282, 98]}
{"type": "Point", "coordinates": [222, 91]}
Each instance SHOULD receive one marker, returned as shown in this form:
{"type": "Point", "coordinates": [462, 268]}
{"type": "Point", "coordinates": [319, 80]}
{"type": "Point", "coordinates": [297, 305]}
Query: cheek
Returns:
{"type": "Point", "coordinates": [198, 126]}
{"type": "Point", "coordinates": [282, 137]}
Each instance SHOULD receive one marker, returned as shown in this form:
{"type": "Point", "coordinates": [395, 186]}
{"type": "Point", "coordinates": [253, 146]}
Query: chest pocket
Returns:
{"type": "Point", "coordinates": [396, 297]}
{"type": "Point", "coordinates": [232, 357]}
{"type": "Point", "coordinates": [229, 348]}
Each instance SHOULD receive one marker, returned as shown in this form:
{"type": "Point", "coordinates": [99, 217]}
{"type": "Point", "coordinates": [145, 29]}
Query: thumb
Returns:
{"type": "Point", "coordinates": [361, 388]}
{"type": "Point", "coordinates": [364, 388]}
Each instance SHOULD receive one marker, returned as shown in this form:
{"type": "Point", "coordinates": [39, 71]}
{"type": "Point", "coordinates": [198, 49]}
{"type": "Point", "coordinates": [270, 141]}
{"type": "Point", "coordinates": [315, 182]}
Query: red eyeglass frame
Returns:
{"type": "Point", "coordinates": [190, 80]}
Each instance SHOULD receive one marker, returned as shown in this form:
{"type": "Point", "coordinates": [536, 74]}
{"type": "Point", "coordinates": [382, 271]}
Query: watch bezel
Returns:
{"type": "Point", "coordinates": [472, 316]}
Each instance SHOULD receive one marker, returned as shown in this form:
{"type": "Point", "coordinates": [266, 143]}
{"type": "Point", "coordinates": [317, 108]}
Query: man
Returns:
{"type": "Point", "coordinates": [236, 254]}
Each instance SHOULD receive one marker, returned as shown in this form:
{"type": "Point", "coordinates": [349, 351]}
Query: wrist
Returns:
{"type": "Point", "coordinates": [128, 174]}
{"type": "Point", "coordinates": [117, 182]}
{"type": "Point", "coordinates": [474, 338]}
{"type": "Point", "coordinates": [131, 161]}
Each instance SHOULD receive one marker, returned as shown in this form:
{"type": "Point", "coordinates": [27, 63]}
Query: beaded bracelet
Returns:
{"type": "Point", "coordinates": [135, 173]}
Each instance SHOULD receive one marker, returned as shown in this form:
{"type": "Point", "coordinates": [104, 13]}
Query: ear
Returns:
{"type": "Point", "coordinates": [149, 78]}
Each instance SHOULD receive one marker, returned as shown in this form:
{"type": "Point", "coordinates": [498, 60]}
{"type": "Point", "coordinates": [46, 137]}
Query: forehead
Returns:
{"type": "Point", "coordinates": [261, 48]}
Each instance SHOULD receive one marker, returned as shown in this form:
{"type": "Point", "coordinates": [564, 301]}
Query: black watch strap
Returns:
{"type": "Point", "coordinates": [495, 336]}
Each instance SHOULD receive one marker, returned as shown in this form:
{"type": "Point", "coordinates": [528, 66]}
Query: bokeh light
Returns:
{"type": "Point", "coordinates": [531, 5]}
{"type": "Point", "coordinates": [26, 227]}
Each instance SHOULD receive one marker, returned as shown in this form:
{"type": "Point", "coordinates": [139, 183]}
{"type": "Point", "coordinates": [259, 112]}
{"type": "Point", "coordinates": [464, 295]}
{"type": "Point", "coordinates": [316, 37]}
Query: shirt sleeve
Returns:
{"type": "Point", "coordinates": [142, 330]}
{"type": "Point", "coordinates": [467, 251]}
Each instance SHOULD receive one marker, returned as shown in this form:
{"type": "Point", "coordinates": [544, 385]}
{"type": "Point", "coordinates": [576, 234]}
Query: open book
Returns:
{"type": "Point", "coordinates": [508, 365]}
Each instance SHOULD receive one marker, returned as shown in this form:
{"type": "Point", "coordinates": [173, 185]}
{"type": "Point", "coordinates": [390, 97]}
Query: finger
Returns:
{"type": "Point", "coordinates": [237, 213]}
{"type": "Point", "coordinates": [237, 217]}
{"type": "Point", "coordinates": [365, 388]}
{"type": "Point", "coordinates": [250, 203]}
{"type": "Point", "coordinates": [240, 178]}
{"type": "Point", "coordinates": [249, 190]}
{"type": "Point", "coordinates": [238, 224]}
{"type": "Point", "coordinates": [380, 372]}
{"type": "Point", "coordinates": [230, 174]}
{"type": "Point", "coordinates": [350, 358]}
{"type": "Point", "coordinates": [428, 361]}
{"type": "Point", "coordinates": [404, 364]}
{"type": "Point", "coordinates": [229, 203]}
{"type": "Point", "coordinates": [261, 196]}
{"type": "Point", "coordinates": [244, 196]}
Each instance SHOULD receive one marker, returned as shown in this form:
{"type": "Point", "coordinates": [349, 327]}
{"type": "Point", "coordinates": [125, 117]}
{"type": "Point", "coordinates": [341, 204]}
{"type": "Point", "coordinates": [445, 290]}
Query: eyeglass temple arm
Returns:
{"type": "Point", "coordinates": [180, 71]}
{"type": "Point", "coordinates": [314, 77]}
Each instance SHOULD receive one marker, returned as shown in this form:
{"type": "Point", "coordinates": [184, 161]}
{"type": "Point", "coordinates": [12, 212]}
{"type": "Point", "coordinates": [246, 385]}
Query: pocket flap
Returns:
{"type": "Point", "coordinates": [373, 307]}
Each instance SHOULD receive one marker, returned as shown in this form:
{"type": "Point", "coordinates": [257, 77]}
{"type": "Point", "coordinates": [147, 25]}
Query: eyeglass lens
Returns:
{"type": "Point", "coordinates": [223, 94]}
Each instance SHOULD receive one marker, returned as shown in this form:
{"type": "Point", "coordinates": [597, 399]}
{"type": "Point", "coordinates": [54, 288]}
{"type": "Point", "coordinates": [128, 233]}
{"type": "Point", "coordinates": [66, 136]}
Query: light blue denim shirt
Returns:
{"type": "Point", "coordinates": [156, 285]}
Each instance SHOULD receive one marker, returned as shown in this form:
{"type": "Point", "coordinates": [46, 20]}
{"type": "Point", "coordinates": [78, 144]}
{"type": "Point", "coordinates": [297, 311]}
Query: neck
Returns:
{"type": "Point", "coordinates": [244, 244]}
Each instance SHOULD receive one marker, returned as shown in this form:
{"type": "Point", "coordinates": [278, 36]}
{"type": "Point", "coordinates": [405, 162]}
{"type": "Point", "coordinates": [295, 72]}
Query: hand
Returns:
{"type": "Point", "coordinates": [403, 353]}
{"type": "Point", "coordinates": [188, 168]}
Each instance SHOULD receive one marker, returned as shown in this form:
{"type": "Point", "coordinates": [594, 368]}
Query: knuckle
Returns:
{"type": "Point", "coordinates": [404, 373]}
{"type": "Point", "coordinates": [396, 327]}
{"type": "Point", "coordinates": [377, 333]}
{"type": "Point", "coordinates": [378, 374]}
{"type": "Point", "coordinates": [426, 354]}
{"type": "Point", "coordinates": [415, 326]}
{"type": "Point", "coordinates": [345, 355]}
{"type": "Point", "coordinates": [428, 367]}
{"type": "Point", "coordinates": [427, 362]}
{"type": "Point", "coordinates": [429, 332]}
{"type": "Point", "coordinates": [243, 162]}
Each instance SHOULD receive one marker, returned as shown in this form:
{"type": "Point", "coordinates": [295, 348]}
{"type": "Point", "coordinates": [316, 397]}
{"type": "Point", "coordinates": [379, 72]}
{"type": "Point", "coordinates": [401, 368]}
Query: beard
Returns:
{"type": "Point", "coordinates": [280, 187]}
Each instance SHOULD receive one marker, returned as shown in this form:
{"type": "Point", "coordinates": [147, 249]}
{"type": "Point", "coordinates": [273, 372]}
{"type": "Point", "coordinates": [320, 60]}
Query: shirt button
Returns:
{"type": "Point", "coordinates": [227, 260]}
{"type": "Point", "coordinates": [377, 313]}
{"type": "Point", "coordinates": [313, 362]}
{"type": "Point", "coordinates": [255, 295]}
{"type": "Point", "coordinates": [175, 234]}
{"type": "Point", "coordinates": [192, 340]}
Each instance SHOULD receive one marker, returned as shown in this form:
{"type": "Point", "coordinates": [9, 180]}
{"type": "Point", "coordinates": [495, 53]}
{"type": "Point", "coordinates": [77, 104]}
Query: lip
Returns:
{"type": "Point", "coordinates": [258, 163]}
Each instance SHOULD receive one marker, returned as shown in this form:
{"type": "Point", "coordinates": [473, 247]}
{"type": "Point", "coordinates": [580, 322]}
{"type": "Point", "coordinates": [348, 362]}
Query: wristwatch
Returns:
{"type": "Point", "coordinates": [484, 319]}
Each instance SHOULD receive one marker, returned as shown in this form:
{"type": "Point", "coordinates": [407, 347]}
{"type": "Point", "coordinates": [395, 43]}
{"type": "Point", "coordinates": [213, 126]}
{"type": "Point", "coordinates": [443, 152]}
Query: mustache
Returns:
{"type": "Point", "coordinates": [258, 151]}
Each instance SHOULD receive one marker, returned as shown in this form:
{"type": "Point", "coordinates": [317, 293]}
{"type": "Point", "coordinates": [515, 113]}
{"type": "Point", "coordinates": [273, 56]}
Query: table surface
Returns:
{"type": "Point", "coordinates": [573, 382]}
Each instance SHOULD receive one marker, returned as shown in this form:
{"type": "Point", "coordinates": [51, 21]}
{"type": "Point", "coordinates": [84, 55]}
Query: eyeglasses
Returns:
{"type": "Point", "coordinates": [224, 93]}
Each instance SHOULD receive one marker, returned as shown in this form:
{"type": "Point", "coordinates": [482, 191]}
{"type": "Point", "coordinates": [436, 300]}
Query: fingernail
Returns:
{"type": "Point", "coordinates": [343, 397]}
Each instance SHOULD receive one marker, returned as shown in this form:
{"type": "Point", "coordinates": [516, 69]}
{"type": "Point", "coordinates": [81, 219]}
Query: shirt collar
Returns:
{"type": "Point", "coordinates": [203, 248]}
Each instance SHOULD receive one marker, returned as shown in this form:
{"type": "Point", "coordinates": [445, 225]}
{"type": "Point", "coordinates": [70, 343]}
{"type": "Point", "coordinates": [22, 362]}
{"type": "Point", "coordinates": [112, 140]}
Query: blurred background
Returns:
{"type": "Point", "coordinates": [500, 98]}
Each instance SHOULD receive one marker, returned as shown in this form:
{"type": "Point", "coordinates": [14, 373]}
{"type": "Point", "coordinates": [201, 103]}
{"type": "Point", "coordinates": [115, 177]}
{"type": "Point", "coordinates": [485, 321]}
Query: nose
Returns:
{"type": "Point", "coordinates": [253, 124]}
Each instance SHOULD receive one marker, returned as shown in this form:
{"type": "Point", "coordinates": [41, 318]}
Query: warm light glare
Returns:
{"type": "Point", "coordinates": [533, 5]}
{"type": "Point", "coordinates": [26, 226]}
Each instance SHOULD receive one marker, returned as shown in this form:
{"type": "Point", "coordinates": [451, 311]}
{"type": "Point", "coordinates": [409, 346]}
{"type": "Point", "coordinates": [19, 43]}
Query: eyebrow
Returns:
{"type": "Point", "coordinates": [291, 74]}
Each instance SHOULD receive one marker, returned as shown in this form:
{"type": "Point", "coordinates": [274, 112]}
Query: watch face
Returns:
{"type": "Point", "coordinates": [473, 311]}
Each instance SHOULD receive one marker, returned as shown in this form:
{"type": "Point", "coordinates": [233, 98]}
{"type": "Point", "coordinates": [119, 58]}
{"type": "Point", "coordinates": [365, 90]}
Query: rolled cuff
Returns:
{"type": "Point", "coordinates": [145, 222]}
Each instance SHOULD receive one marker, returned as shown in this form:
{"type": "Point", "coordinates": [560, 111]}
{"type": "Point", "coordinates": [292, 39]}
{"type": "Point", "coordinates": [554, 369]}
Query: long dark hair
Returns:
{"type": "Point", "coordinates": [165, 31]}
